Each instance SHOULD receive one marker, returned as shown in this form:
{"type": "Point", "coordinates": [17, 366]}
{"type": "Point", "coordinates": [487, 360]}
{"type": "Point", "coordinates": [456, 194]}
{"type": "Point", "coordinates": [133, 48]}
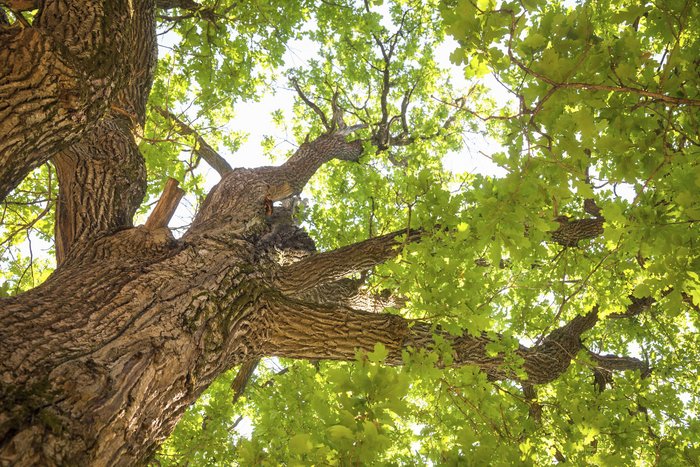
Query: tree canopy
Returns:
{"type": "Point", "coordinates": [590, 110]}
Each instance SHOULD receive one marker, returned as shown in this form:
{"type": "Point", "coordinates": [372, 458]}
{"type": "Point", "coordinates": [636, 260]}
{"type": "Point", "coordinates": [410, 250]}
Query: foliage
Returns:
{"type": "Point", "coordinates": [26, 229]}
{"type": "Point", "coordinates": [210, 60]}
{"type": "Point", "coordinates": [590, 109]}
{"type": "Point", "coordinates": [587, 118]}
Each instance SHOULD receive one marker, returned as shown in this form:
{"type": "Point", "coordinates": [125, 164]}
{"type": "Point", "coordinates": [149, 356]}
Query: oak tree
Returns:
{"type": "Point", "coordinates": [404, 312]}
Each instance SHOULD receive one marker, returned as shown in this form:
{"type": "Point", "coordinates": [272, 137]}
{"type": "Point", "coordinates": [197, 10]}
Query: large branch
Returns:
{"type": "Point", "coordinates": [247, 193]}
{"type": "Point", "coordinates": [293, 175]}
{"type": "Point", "coordinates": [350, 293]}
{"type": "Point", "coordinates": [331, 266]}
{"type": "Point", "coordinates": [328, 267]}
{"type": "Point", "coordinates": [44, 104]}
{"type": "Point", "coordinates": [102, 177]}
{"type": "Point", "coordinates": [303, 330]}
{"type": "Point", "coordinates": [102, 180]}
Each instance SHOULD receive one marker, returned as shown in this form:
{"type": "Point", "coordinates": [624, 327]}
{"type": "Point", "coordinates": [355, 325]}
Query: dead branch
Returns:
{"type": "Point", "coordinates": [167, 204]}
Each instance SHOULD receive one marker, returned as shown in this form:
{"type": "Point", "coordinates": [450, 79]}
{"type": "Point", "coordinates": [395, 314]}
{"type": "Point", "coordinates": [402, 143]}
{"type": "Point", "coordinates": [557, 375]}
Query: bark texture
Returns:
{"type": "Point", "coordinates": [60, 77]}
{"type": "Point", "coordinates": [98, 363]}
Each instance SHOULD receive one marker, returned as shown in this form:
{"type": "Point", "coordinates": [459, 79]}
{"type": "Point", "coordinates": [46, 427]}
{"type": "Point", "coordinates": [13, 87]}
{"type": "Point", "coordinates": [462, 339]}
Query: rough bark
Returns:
{"type": "Point", "coordinates": [322, 268]}
{"type": "Point", "coordinates": [102, 176]}
{"type": "Point", "coordinates": [245, 194]}
{"type": "Point", "coordinates": [351, 293]}
{"type": "Point", "coordinates": [59, 77]}
{"type": "Point", "coordinates": [98, 192]}
{"type": "Point", "coordinates": [304, 330]}
{"type": "Point", "coordinates": [571, 232]}
{"type": "Point", "coordinates": [99, 361]}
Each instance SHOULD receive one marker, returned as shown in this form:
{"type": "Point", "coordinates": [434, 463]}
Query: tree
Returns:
{"type": "Point", "coordinates": [540, 315]}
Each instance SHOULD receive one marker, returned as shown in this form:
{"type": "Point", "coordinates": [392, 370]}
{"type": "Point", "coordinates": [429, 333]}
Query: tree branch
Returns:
{"type": "Point", "coordinates": [166, 206]}
{"type": "Point", "coordinates": [102, 176]}
{"type": "Point", "coordinates": [21, 5]}
{"type": "Point", "coordinates": [570, 232]}
{"type": "Point", "coordinates": [239, 383]}
{"type": "Point", "coordinates": [201, 147]}
{"type": "Point", "coordinates": [195, 9]}
{"type": "Point", "coordinates": [591, 86]}
{"type": "Point", "coordinates": [326, 267]}
{"type": "Point", "coordinates": [303, 330]}
{"type": "Point", "coordinates": [247, 193]}
{"type": "Point", "coordinates": [101, 182]}
{"type": "Point", "coordinates": [290, 178]}
{"type": "Point", "coordinates": [330, 266]}
{"type": "Point", "coordinates": [638, 306]}
{"type": "Point", "coordinates": [616, 363]}
{"type": "Point", "coordinates": [183, 4]}
{"type": "Point", "coordinates": [312, 105]}
{"type": "Point", "coordinates": [350, 293]}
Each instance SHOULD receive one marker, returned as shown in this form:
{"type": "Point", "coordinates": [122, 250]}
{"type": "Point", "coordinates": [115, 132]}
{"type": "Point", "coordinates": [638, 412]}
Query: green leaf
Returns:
{"type": "Point", "coordinates": [300, 444]}
{"type": "Point", "coordinates": [379, 354]}
{"type": "Point", "coordinates": [340, 432]}
{"type": "Point", "coordinates": [641, 291]}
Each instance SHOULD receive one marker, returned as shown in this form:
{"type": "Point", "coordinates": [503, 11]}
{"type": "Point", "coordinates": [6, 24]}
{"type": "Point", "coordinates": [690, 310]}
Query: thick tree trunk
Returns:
{"type": "Point", "coordinates": [99, 362]}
